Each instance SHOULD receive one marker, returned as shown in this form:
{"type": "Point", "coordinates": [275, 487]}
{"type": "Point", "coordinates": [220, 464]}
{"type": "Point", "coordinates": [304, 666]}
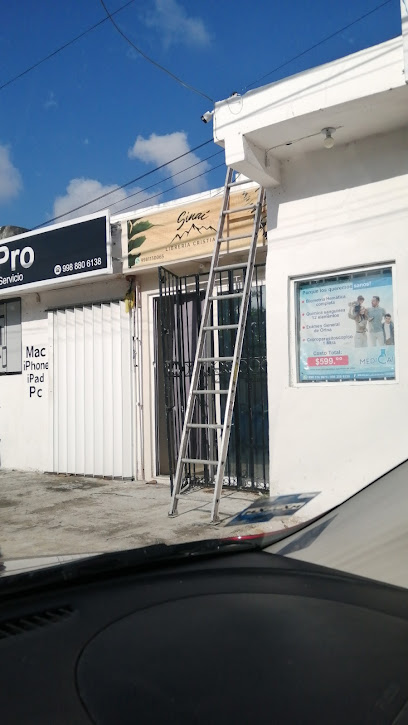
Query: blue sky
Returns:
{"type": "Point", "coordinates": [97, 114]}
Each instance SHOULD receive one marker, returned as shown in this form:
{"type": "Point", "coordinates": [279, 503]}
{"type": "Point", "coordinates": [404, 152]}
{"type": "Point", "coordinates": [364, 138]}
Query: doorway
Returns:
{"type": "Point", "coordinates": [177, 319]}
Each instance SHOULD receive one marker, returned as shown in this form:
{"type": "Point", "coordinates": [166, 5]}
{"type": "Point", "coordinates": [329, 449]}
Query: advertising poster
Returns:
{"type": "Point", "coordinates": [346, 328]}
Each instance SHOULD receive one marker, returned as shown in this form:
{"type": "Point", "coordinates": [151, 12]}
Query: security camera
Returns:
{"type": "Point", "coordinates": [207, 116]}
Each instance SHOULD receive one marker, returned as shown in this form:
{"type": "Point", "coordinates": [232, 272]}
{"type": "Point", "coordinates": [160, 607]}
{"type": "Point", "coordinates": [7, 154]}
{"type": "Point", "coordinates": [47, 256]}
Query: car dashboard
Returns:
{"type": "Point", "coordinates": [234, 638]}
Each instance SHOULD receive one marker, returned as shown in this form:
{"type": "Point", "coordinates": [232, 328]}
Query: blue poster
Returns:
{"type": "Point", "coordinates": [266, 509]}
{"type": "Point", "coordinates": [346, 328]}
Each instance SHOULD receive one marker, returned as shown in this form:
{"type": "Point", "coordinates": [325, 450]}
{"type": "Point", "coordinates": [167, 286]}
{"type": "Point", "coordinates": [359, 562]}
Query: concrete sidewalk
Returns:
{"type": "Point", "coordinates": [47, 514]}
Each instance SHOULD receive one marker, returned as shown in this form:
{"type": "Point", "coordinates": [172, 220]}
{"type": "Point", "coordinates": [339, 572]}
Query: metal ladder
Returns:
{"type": "Point", "coordinates": [208, 327]}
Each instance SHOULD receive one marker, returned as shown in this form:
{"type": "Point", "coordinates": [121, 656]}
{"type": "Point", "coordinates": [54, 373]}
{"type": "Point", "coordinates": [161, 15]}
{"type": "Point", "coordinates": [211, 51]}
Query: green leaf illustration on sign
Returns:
{"type": "Point", "coordinates": [135, 243]}
{"type": "Point", "coordinates": [135, 228]}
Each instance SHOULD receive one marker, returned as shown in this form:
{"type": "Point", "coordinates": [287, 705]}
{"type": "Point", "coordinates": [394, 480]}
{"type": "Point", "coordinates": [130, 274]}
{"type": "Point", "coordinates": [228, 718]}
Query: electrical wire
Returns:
{"type": "Point", "coordinates": [161, 181]}
{"type": "Point", "coordinates": [123, 186]}
{"type": "Point", "coordinates": [62, 47]}
{"type": "Point", "coordinates": [154, 196]}
{"type": "Point", "coordinates": [150, 60]}
{"type": "Point", "coordinates": [316, 45]}
{"type": "Point", "coordinates": [159, 193]}
{"type": "Point", "coordinates": [109, 16]}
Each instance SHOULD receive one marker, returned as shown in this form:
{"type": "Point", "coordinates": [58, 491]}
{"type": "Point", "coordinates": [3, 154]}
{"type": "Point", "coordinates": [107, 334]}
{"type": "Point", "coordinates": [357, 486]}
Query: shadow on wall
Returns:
{"type": "Point", "coordinates": [343, 168]}
{"type": "Point", "coordinates": [358, 163]}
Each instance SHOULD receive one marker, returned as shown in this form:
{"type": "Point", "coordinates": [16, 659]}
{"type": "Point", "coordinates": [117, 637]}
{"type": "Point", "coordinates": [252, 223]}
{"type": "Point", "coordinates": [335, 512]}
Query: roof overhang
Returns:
{"type": "Point", "coordinates": [360, 95]}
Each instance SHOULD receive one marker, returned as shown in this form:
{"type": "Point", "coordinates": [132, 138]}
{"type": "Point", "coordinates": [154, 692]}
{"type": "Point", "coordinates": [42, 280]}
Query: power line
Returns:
{"type": "Point", "coordinates": [159, 193]}
{"type": "Point", "coordinates": [123, 186]}
{"type": "Point", "coordinates": [62, 47]}
{"type": "Point", "coordinates": [174, 187]}
{"type": "Point", "coordinates": [316, 45]}
{"type": "Point", "coordinates": [155, 63]}
{"type": "Point", "coordinates": [138, 178]}
{"type": "Point", "coordinates": [183, 171]}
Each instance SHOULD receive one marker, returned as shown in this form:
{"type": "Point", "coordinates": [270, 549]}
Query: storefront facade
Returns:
{"type": "Point", "coordinates": [166, 253]}
{"type": "Point", "coordinates": [97, 347]}
{"type": "Point", "coordinates": [66, 384]}
{"type": "Point", "coordinates": [86, 359]}
{"type": "Point", "coordinates": [336, 270]}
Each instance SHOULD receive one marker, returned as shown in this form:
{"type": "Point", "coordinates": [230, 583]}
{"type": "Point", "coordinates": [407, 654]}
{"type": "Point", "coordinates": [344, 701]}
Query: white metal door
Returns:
{"type": "Point", "coordinates": [91, 397]}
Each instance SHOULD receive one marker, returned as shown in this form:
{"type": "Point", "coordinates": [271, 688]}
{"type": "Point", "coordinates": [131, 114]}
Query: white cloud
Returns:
{"type": "Point", "coordinates": [80, 191]}
{"type": "Point", "coordinates": [171, 20]}
{"type": "Point", "coordinates": [161, 149]}
{"type": "Point", "coordinates": [10, 177]}
{"type": "Point", "coordinates": [51, 101]}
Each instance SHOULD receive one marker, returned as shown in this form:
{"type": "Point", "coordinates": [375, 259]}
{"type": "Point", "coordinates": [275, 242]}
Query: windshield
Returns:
{"type": "Point", "coordinates": [202, 301]}
{"type": "Point", "coordinates": [367, 535]}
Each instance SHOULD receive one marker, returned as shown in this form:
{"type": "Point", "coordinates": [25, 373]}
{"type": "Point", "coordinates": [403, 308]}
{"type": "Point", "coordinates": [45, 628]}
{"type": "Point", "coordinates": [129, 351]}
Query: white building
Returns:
{"type": "Point", "coordinates": [81, 376]}
{"type": "Point", "coordinates": [337, 228]}
{"type": "Point", "coordinates": [65, 352]}
{"type": "Point", "coordinates": [82, 389]}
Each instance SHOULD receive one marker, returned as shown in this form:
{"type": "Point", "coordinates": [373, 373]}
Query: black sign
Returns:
{"type": "Point", "coordinates": [52, 254]}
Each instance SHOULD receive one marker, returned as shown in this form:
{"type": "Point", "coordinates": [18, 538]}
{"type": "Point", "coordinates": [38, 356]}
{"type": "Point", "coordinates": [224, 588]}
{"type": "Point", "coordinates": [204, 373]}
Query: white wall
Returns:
{"type": "Point", "coordinates": [335, 210]}
{"type": "Point", "coordinates": [404, 25]}
{"type": "Point", "coordinates": [24, 419]}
